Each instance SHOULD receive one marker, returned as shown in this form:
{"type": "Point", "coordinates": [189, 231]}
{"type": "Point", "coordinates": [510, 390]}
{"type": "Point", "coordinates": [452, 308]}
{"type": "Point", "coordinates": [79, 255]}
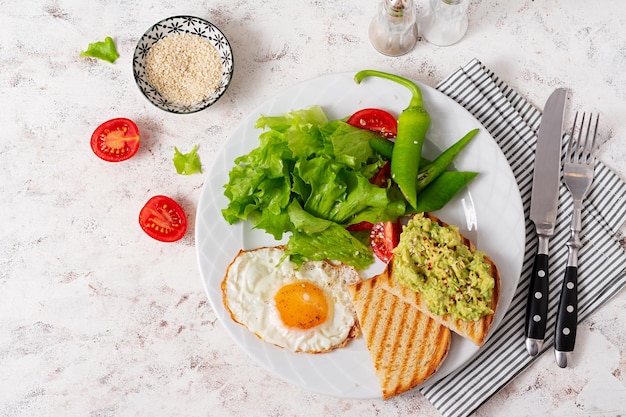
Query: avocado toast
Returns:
{"type": "Point", "coordinates": [469, 314]}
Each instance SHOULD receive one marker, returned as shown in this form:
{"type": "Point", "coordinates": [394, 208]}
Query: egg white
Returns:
{"type": "Point", "coordinates": [254, 277]}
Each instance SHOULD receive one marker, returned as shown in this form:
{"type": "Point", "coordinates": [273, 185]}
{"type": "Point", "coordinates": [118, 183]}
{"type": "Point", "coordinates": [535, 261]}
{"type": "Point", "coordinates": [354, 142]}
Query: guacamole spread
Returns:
{"type": "Point", "coordinates": [433, 260]}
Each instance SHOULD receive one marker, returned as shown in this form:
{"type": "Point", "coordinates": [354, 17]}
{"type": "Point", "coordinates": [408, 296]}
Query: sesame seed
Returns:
{"type": "Point", "coordinates": [184, 68]}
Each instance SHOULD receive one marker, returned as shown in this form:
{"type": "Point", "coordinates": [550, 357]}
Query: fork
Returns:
{"type": "Point", "coordinates": [578, 171]}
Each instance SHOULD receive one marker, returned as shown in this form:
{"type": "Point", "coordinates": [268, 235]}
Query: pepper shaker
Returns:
{"type": "Point", "coordinates": [445, 23]}
{"type": "Point", "coordinates": [393, 31]}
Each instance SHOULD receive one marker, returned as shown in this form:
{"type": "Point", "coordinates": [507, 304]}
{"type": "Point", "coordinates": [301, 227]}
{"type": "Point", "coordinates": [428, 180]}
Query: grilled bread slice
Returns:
{"type": "Point", "coordinates": [406, 346]}
{"type": "Point", "coordinates": [476, 331]}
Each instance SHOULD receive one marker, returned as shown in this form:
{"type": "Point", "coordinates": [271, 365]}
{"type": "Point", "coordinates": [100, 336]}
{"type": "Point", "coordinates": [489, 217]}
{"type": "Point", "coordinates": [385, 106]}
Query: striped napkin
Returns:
{"type": "Point", "coordinates": [513, 122]}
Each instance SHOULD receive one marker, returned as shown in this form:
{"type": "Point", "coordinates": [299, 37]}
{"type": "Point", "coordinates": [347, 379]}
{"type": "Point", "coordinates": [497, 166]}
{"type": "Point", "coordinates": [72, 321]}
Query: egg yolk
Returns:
{"type": "Point", "coordinates": [301, 305]}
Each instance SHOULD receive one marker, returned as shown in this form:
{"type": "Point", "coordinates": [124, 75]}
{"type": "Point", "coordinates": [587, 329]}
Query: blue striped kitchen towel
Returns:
{"type": "Point", "coordinates": [513, 122]}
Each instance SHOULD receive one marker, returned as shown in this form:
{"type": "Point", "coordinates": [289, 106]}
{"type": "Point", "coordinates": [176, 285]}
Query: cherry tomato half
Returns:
{"type": "Point", "coordinates": [163, 219]}
{"type": "Point", "coordinates": [360, 226]}
{"type": "Point", "coordinates": [382, 177]}
{"type": "Point", "coordinates": [384, 237]}
{"type": "Point", "coordinates": [376, 120]}
{"type": "Point", "coordinates": [115, 140]}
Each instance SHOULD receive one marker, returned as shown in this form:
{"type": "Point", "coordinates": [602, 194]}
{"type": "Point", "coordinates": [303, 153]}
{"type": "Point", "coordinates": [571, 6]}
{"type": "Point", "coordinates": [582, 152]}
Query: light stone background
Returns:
{"type": "Point", "coordinates": [97, 319]}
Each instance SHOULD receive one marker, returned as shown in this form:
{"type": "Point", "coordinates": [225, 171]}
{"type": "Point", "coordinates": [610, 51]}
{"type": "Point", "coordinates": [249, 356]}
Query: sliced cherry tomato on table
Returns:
{"type": "Point", "coordinates": [163, 219]}
{"type": "Point", "coordinates": [384, 237]}
{"type": "Point", "coordinates": [376, 120]}
{"type": "Point", "coordinates": [115, 140]}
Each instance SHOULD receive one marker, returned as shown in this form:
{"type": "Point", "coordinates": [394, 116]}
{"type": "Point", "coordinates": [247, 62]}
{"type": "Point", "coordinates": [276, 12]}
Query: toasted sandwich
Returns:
{"type": "Point", "coordinates": [406, 346]}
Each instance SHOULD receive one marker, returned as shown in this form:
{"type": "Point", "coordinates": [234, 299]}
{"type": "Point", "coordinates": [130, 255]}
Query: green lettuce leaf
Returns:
{"type": "Point", "coordinates": [319, 239]}
{"type": "Point", "coordinates": [351, 145]}
{"type": "Point", "coordinates": [187, 163]}
{"type": "Point", "coordinates": [104, 50]}
{"type": "Point", "coordinates": [260, 182]}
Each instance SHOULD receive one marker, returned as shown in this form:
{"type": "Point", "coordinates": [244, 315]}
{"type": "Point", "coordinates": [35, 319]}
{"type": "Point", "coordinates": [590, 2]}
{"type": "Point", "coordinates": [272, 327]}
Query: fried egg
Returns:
{"type": "Point", "coordinates": [303, 310]}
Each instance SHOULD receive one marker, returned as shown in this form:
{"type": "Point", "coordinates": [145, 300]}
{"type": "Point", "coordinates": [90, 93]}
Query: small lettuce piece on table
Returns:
{"type": "Point", "coordinates": [187, 163]}
{"type": "Point", "coordinates": [104, 50]}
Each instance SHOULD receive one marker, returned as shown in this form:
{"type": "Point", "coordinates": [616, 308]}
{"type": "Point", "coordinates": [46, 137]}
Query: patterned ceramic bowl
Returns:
{"type": "Point", "coordinates": [182, 25]}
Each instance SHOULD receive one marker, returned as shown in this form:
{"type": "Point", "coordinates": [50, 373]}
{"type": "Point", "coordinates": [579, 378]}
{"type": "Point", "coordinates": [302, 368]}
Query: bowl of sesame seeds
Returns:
{"type": "Point", "coordinates": [183, 64]}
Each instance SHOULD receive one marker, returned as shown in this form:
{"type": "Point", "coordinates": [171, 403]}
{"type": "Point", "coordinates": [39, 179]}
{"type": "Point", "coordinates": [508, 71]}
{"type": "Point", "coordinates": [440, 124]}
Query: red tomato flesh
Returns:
{"type": "Point", "coordinates": [376, 120]}
{"type": "Point", "coordinates": [115, 140]}
{"type": "Point", "coordinates": [382, 177]}
{"type": "Point", "coordinates": [384, 237]}
{"type": "Point", "coordinates": [360, 227]}
{"type": "Point", "coordinates": [163, 219]}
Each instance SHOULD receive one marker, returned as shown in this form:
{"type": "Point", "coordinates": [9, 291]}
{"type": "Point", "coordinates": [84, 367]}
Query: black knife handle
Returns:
{"type": "Point", "coordinates": [537, 305]}
{"type": "Point", "coordinates": [567, 314]}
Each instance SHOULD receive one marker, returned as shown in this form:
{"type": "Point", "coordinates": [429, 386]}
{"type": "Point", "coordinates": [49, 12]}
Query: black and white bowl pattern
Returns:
{"type": "Point", "coordinates": [182, 24]}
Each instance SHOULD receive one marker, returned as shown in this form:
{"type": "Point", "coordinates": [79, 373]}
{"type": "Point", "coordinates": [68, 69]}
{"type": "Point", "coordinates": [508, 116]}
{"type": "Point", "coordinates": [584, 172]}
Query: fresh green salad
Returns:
{"type": "Point", "coordinates": [310, 177]}
{"type": "Point", "coordinates": [339, 187]}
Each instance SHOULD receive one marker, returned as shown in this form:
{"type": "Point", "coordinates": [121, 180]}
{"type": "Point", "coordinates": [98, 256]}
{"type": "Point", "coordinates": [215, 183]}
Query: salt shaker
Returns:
{"type": "Point", "coordinates": [393, 31]}
{"type": "Point", "coordinates": [445, 23]}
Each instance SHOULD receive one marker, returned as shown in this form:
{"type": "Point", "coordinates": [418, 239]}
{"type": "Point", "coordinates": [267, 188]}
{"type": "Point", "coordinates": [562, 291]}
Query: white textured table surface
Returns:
{"type": "Point", "coordinates": [97, 319]}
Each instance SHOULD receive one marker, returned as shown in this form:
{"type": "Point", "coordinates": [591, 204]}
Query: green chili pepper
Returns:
{"type": "Point", "coordinates": [413, 123]}
{"type": "Point", "coordinates": [439, 192]}
{"type": "Point", "coordinates": [384, 147]}
{"type": "Point", "coordinates": [431, 171]}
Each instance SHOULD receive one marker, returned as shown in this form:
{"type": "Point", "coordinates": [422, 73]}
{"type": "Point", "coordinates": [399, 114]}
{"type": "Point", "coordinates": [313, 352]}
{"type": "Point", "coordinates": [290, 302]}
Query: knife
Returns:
{"type": "Point", "coordinates": [543, 208]}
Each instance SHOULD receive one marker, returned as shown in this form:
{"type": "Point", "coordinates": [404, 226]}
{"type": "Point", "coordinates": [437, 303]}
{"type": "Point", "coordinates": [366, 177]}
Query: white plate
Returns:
{"type": "Point", "coordinates": [489, 212]}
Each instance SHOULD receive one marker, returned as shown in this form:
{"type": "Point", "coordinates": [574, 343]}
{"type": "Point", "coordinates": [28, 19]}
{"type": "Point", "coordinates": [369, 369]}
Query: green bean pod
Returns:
{"type": "Point", "coordinates": [439, 192]}
{"type": "Point", "coordinates": [431, 171]}
{"type": "Point", "coordinates": [384, 147]}
{"type": "Point", "coordinates": [413, 123]}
